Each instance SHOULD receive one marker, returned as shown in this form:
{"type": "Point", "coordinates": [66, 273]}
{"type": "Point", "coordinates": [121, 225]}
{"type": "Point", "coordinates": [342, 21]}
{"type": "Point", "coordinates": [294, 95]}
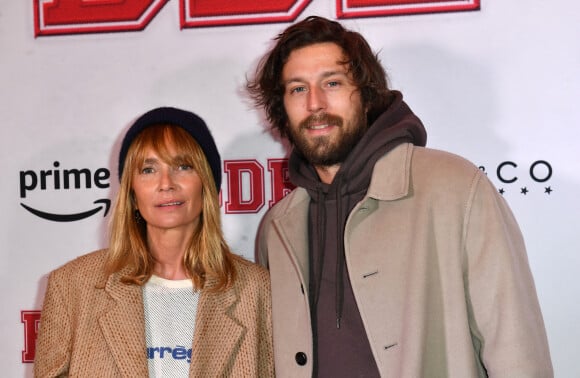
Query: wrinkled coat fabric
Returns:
{"type": "Point", "coordinates": [438, 268]}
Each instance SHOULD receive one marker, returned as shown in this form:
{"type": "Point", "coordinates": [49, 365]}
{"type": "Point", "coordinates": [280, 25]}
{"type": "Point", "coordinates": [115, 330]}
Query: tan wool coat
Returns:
{"type": "Point", "coordinates": [94, 326]}
{"type": "Point", "coordinates": [438, 268]}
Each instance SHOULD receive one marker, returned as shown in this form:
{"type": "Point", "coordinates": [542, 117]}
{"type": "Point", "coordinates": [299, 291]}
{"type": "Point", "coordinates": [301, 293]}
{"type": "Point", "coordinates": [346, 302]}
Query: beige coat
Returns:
{"type": "Point", "coordinates": [93, 326]}
{"type": "Point", "coordinates": [438, 268]}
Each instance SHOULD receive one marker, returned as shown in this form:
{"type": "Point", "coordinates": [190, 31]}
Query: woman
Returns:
{"type": "Point", "coordinates": [167, 298]}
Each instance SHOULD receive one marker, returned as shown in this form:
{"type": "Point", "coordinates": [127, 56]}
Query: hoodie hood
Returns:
{"type": "Point", "coordinates": [398, 124]}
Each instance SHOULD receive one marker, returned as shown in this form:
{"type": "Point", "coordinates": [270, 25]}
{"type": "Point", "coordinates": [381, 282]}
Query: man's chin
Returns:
{"type": "Point", "coordinates": [323, 158]}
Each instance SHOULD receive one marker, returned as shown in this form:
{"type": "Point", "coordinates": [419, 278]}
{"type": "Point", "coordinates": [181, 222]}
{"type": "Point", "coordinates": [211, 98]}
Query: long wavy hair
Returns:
{"type": "Point", "coordinates": [208, 255]}
{"type": "Point", "coordinates": [267, 89]}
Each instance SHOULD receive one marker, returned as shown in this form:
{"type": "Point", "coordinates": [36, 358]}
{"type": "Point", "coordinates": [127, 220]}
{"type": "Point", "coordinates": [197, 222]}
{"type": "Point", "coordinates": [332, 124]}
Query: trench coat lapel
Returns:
{"type": "Point", "coordinates": [218, 332]}
{"type": "Point", "coordinates": [123, 326]}
{"type": "Point", "coordinates": [293, 229]}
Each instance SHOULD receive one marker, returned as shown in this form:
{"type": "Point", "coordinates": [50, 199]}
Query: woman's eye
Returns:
{"type": "Point", "coordinates": [184, 167]}
{"type": "Point", "coordinates": [147, 170]}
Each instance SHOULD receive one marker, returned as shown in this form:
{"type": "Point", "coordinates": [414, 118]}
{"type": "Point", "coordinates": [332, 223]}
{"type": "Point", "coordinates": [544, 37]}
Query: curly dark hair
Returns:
{"type": "Point", "coordinates": [267, 89]}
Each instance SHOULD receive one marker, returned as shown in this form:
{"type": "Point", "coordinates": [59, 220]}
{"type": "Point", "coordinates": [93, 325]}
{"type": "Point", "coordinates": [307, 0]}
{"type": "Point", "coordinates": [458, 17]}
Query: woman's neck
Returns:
{"type": "Point", "coordinates": [168, 249]}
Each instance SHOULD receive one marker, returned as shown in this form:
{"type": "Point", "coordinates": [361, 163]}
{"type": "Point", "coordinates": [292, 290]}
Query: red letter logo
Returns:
{"type": "Point", "coordinates": [244, 174]}
{"type": "Point", "coordinates": [93, 16]}
{"type": "Point", "coordinates": [377, 8]}
{"type": "Point", "coordinates": [280, 179]}
{"type": "Point", "coordinates": [56, 17]}
{"type": "Point", "coordinates": [31, 320]}
{"type": "Point", "coordinates": [196, 13]}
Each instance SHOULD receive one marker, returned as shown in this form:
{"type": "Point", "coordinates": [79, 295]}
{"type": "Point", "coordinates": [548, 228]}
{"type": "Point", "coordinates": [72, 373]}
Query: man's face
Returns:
{"type": "Point", "coordinates": [325, 113]}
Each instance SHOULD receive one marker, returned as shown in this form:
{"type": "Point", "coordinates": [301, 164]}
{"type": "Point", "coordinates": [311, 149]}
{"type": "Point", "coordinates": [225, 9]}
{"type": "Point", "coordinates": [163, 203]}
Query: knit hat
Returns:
{"type": "Point", "coordinates": [188, 121]}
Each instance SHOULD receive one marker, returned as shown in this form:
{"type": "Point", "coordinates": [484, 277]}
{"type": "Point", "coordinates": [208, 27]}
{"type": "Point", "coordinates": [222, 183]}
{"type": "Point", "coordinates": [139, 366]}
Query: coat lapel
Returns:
{"type": "Point", "coordinates": [123, 326]}
{"type": "Point", "coordinates": [391, 179]}
{"type": "Point", "coordinates": [292, 226]}
{"type": "Point", "coordinates": [218, 333]}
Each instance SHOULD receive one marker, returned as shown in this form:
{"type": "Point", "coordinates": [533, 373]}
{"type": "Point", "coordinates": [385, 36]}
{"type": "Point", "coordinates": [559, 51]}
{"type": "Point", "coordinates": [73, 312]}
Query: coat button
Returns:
{"type": "Point", "coordinates": [301, 358]}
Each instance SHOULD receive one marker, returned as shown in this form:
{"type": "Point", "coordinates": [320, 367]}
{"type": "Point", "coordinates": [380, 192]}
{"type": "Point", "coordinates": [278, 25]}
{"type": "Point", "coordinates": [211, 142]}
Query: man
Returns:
{"type": "Point", "coordinates": [389, 259]}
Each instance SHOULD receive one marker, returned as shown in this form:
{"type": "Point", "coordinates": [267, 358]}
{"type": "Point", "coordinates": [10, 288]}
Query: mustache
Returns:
{"type": "Point", "coordinates": [314, 119]}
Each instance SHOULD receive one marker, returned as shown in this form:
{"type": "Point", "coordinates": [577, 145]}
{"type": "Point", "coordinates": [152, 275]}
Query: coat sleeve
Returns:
{"type": "Point", "coordinates": [505, 318]}
{"type": "Point", "coordinates": [53, 344]}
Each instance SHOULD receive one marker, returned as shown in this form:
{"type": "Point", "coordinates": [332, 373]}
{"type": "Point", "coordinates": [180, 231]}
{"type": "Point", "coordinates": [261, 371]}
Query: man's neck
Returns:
{"type": "Point", "coordinates": [327, 173]}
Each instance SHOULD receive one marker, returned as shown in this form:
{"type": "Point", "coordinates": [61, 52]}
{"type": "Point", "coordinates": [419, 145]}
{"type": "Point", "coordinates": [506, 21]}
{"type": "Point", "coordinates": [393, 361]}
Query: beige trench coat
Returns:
{"type": "Point", "coordinates": [438, 268]}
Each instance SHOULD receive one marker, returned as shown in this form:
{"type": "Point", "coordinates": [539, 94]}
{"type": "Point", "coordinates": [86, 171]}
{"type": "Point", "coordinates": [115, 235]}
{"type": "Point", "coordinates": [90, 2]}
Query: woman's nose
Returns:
{"type": "Point", "coordinates": [166, 180]}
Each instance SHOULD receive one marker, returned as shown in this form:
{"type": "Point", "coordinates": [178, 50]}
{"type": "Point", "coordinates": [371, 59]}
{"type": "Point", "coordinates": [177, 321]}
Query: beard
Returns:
{"type": "Point", "coordinates": [323, 150]}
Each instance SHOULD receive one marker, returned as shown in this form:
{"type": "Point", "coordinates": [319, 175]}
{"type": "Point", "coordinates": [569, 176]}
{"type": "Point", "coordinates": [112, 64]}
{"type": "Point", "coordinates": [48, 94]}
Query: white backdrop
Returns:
{"type": "Point", "coordinates": [499, 85]}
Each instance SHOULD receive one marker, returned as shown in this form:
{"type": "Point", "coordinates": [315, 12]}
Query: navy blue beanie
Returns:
{"type": "Point", "coordinates": [188, 121]}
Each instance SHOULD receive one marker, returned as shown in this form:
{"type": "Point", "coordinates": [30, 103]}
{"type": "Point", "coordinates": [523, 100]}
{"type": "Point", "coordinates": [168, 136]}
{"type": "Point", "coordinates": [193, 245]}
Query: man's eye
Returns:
{"type": "Point", "coordinates": [333, 83]}
{"type": "Point", "coordinates": [298, 90]}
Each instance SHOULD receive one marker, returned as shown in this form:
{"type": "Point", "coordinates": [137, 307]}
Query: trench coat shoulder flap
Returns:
{"type": "Point", "coordinates": [123, 325]}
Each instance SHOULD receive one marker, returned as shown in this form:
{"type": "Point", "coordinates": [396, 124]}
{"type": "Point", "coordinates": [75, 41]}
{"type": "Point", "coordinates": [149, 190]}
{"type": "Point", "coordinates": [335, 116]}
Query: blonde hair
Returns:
{"type": "Point", "coordinates": [208, 255]}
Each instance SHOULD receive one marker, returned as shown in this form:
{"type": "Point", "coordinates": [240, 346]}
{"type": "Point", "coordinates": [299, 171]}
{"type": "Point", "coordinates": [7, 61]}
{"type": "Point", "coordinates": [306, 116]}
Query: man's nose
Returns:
{"type": "Point", "coordinates": [316, 99]}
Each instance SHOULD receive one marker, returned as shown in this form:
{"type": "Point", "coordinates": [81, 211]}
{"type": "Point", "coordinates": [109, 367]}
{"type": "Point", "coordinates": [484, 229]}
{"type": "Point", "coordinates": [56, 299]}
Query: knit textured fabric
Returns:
{"type": "Point", "coordinates": [170, 312]}
{"type": "Point", "coordinates": [93, 325]}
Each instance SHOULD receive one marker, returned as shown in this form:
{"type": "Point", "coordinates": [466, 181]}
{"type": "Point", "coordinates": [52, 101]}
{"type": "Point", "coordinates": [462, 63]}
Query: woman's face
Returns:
{"type": "Point", "coordinates": [168, 197]}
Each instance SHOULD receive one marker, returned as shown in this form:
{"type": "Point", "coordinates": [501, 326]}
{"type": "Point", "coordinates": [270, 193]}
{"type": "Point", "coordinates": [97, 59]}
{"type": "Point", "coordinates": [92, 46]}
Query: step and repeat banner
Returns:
{"type": "Point", "coordinates": [494, 81]}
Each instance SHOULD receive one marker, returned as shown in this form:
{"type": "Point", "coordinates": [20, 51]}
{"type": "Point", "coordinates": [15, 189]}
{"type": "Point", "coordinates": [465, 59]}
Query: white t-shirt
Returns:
{"type": "Point", "coordinates": [170, 309]}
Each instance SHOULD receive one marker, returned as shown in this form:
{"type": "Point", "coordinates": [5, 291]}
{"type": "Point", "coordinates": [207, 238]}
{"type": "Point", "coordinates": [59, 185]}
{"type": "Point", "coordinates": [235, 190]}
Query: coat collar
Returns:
{"type": "Point", "coordinates": [391, 180]}
{"type": "Point", "coordinates": [292, 226]}
{"type": "Point", "coordinates": [391, 177]}
{"type": "Point", "coordinates": [218, 331]}
{"type": "Point", "coordinates": [123, 326]}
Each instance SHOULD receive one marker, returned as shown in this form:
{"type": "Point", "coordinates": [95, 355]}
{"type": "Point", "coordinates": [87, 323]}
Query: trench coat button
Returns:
{"type": "Point", "coordinates": [301, 358]}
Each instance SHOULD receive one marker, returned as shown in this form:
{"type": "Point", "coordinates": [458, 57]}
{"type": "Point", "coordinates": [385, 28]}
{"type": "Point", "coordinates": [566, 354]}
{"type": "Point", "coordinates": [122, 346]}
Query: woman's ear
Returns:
{"type": "Point", "coordinates": [133, 201]}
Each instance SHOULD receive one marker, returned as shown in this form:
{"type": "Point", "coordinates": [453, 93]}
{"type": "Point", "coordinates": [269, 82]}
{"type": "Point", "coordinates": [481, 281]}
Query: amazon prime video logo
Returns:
{"type": "Point", "coordinates": [56, 180]}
